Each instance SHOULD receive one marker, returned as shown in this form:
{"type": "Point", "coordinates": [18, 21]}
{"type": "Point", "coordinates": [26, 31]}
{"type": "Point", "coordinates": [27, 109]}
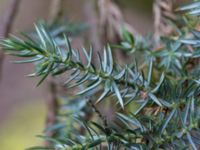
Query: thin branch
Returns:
{"type": "Point", "coordinates": [55, 10]}
{"type": "Point", "coordinates": [103, 118]}
{"type": "Point", "coordinates": [52, 103]}
{"type": "Point", "coordinates": [163, 10]}
{"type": "Point", "coordinates": [6, 24]}
{"type": "Point", "coordinates": [112, 22]}
{"type": "Point", "coordinates": [92, 19]}
{"type": "Point", "coordinates": [111, 25]}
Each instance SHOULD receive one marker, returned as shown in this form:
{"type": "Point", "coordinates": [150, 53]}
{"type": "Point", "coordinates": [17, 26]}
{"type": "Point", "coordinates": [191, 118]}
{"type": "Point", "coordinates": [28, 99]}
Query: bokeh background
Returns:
{"type": "Point", "coordinates": [22, 105]}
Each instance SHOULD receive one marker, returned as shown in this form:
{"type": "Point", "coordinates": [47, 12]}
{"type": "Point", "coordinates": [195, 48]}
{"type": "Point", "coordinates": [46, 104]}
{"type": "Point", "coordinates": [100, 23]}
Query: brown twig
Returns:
{"type": "Point", "coordinates": [55, 10]}
{"type": "Point", "coordinates": [92, 19]}
{"type": "Point", "coordinates": [163, 10]}
{"type": "Point", "coordinates": [52, 107]}
{"type": "Point", "coordinates": [111, 25]}
{"type": "Point", "coordinates": [6, 24]}
{"type": "Point", "coordinates": [111, 21]}
{"type": "Point", "coordinates": [96, 110]}
{"type": "Point", "coordinates": [102, 117]}
{"type": "Point", "coordinates": [52, 103]}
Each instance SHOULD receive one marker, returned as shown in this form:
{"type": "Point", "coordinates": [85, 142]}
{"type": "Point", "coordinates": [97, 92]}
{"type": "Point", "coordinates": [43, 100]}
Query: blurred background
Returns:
{"type": "Point", "coordinates": [20, 100]}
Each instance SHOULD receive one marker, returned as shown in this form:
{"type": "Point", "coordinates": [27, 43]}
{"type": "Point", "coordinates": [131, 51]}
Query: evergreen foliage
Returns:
{"type": "Point", "coordinates": [165, 87]}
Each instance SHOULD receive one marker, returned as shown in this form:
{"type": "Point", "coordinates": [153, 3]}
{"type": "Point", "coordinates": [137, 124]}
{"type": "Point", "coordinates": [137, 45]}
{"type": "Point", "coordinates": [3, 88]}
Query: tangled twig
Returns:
{"type": "Point", "coordinates": [163, 12]}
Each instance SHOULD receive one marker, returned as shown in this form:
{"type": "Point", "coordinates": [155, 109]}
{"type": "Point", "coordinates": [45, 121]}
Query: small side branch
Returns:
{"type": "Point", "coordinates": [103, 118]}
